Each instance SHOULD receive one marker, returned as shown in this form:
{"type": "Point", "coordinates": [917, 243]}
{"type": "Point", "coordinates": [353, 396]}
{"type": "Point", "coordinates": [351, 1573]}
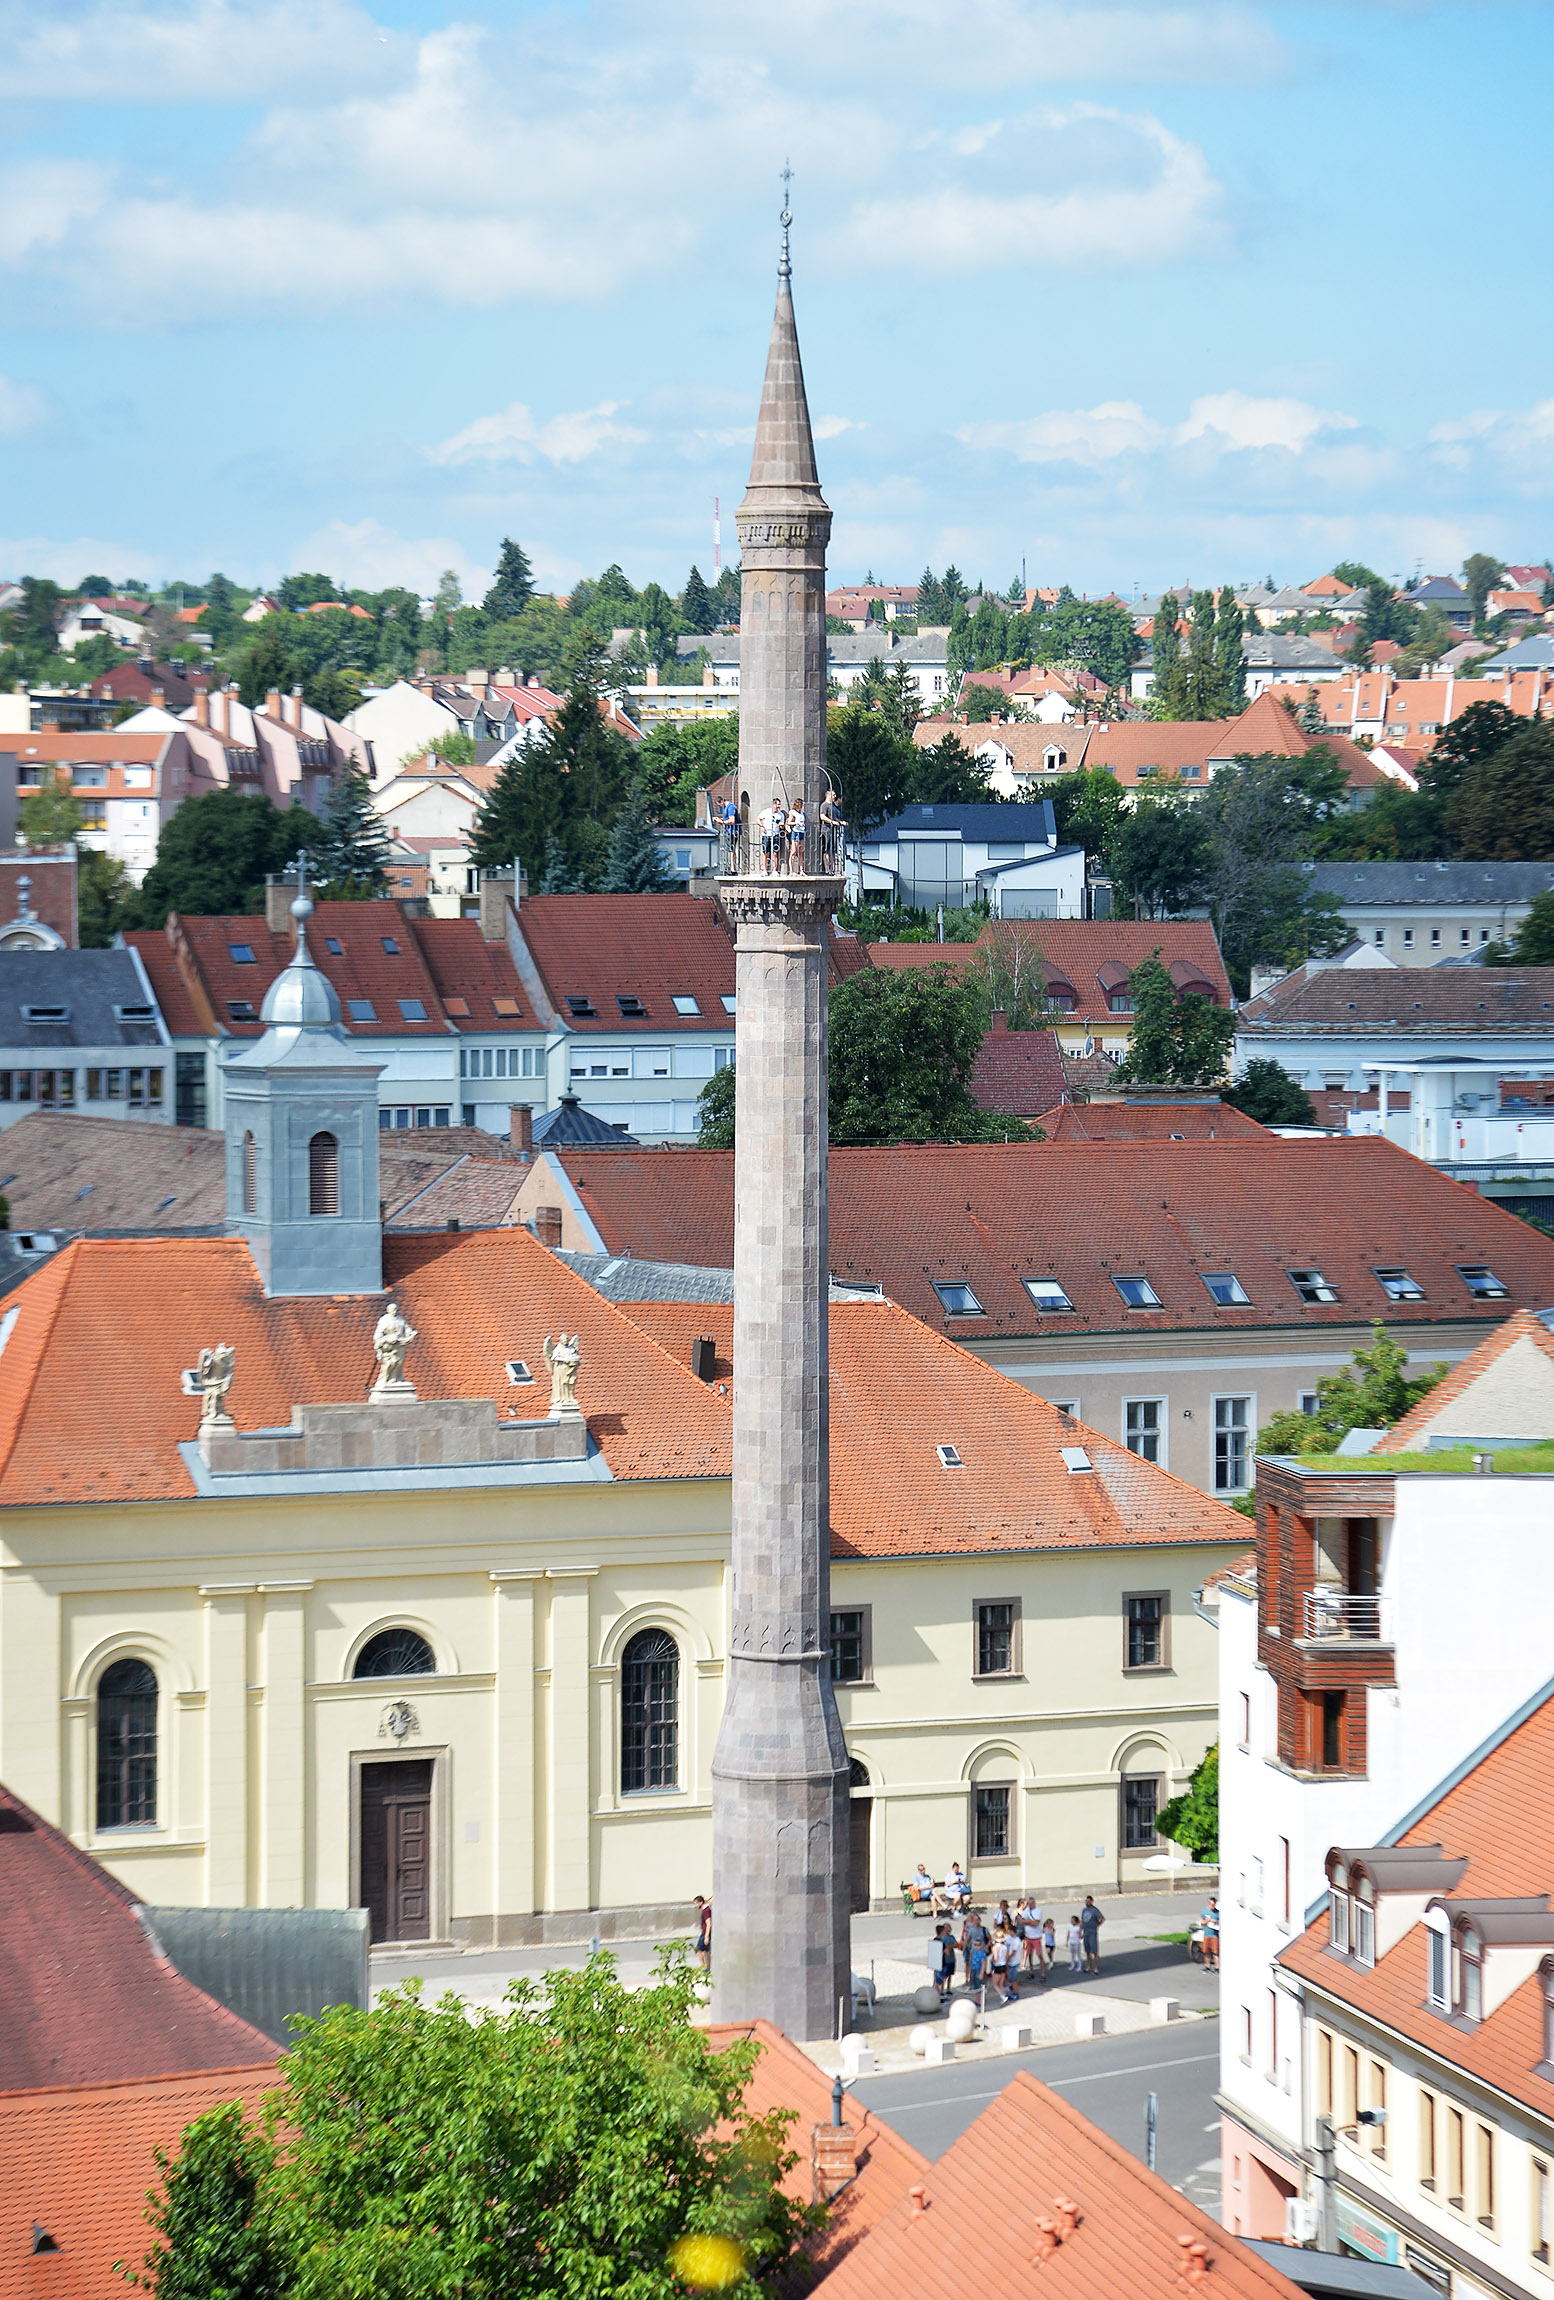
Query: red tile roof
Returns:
{"type": "Point", "coordinates": [78, 2162]}
{"type": "Point", "coordinates": [648, 947]}
{"type": "Point", "coordinates": [1414, 1428]}
{"type": "Point", "coordinates": [1151, 1122]}
{"type": "Point", "coordinates": [87, 2000]}
{"type": "Point", "coordinates": [476, 1299]}
{"type": "Point", "coordinates": [196, 977]}
{"type": "Point", "coordinates": [1498, 1817]}
{"type": "Point", "coordinates": [1034, 2199]}
{"type": "Point", "coordinates": [1019, 1071]}
{"type": "Point", "coordinates": [989, 1215]}
{"type": "Point", "coordinates": [1075, 950]}
{"type": "Point", "coordinates": [899, 1392]}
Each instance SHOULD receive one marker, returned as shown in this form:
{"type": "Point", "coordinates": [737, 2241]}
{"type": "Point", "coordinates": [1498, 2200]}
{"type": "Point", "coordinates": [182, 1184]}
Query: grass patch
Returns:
{"type": "Point", "coordinates": [1172, 1940]}
{"type": "Point", "coordinates": [1510, 1461]}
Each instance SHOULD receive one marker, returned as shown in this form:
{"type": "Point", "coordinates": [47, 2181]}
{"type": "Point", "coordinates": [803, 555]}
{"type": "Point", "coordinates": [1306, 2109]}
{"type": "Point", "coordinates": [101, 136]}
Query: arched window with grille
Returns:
{"type": "Point", "coordinates": [650, 1712]}
{"type": "Point", "coordinates": [323, 1175]}
{"type": "Point", "coordinates": [126, 1746]}
{"type": "Point", "coordinates": [395, 1653]}
{"type": "Point", "coordinates": [250, 1175]}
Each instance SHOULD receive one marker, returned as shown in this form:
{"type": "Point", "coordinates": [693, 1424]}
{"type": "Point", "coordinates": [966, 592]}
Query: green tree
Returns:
{"type": "Point", "coordinates": [1192, 1820]}
{"type": "Point", "coordinates": [1504, 809]}
{"type": "Point", "coordinates": [296, 593]}
{"type": "Point", "coordinates": [1166, 657]}
{"type": "Point", "coordinates": [1533, 944]}
{"type": "Point", "coordinates": [104, 898]}
{"type": "Point", "coordinates": [1265, 910]}
{"type": "Point", "coordinates": [1266, 1091]}
{"type": "Point", "coordinates": [946, 774]}
{"type": "Point", "coordinates": [979, 705]}
{"type": "Point", "coordinates": [212, 2238]}
{"type": "Point", "coordinates": [1090, 808]}
{"type": "Point", "coordinates": [351, 859]}
{"type": "Point", "coordinates": [902, 1049]}
{"type": "Point", "coordinates": [1160, 856]}
{"type": "Point", "coordinates": [1229, 664]}
{"type": "Point", "coordinates": [1480, 574]}
{"type": "Point", "coordinates": [1180, 1038]}
{"type": "Point", "coordinates": [267, 662]}
{"type": "Point", "coordinates": [659, 622]}
{"type": "Point", "coordinates": [1408, 825]}
{"type": "Point", "coordinates": [871, 686]}
{"type": "Point", "coordinates": [715, 1111]}
{"type": "Point", "coordinates": [902, 704]}
{"type": "Point", "coordinates": [696, 608]}
{"type": "Point", "coordinates": [1088, 635]}
{"type": "Point", "coordinates": [1483, 729]}
{"type": "Point", "coordinates": [216, 852]}
{"type": "Point", "coordinates": [871, 768]}
{"type": "Point", "coordinates": [576, 2142]}
{"type": "Point", "coordinates": [635, 862]}
{"type": "Point", "coordinates": [512, 586]}
{"type": "Point", "coordinates": [520, 818]}
{"type": "Point", "coordinates": [1372, 1392]}
{"type": "Point", "coordinates": [1010, 973]}
{"type": "Point", "coordinates": [94, 587]}
{"type": "Point", "coordinates": [558, 878]}
{"type": "Point", "coordinates": [675, 762]}
{"type": "Point", "coordinates": [30, 626]}
{"type": "Point", "coordinates": [455, 749]}
{"type": "Point", "coordinates": [49, 816]}
{"type": "Point", "coordinates": [449, 593]}
{"type": "Point", "coordinates": [1356, 574]}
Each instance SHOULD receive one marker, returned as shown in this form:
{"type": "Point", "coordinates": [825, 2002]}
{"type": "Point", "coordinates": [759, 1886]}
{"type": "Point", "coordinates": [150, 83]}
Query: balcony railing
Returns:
{"type": "Point", "coordinates": [818, 854]}
{"type": "Point", "coordinates": [1332, 1613]}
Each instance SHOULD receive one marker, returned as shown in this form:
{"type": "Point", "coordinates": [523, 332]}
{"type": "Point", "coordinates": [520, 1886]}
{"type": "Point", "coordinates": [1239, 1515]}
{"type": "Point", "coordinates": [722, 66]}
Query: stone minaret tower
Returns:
{"type": "Point", "coordinates": [780, 1810]}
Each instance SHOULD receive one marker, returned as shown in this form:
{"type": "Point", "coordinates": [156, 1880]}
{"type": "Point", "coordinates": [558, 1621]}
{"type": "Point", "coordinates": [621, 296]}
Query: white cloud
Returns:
{"type": "Point", "coordinates": [1224, 422]}
{"type": "Point", "coordinates": [833, 426]}
{"type": "Point", "coordinates": [367, 556]}
{"type": "Point", "coordinates": [1522, 438]}
{"type": "Point", "coordinates": [206, 51]}
{"type": "Point", "coordinates": [513, 436]}
{"type": "Point", "coordinates": [1239, 420]}
{"type": "Point", "coordinates": [21, 407]}
{"type": "Point", "coordinates": [66, 562]}
{"type": "Point", "coordinates": [1078, 435]}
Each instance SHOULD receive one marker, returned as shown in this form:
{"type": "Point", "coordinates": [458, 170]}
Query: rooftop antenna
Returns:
{"type": "Point", "coordinates": [784, 267]}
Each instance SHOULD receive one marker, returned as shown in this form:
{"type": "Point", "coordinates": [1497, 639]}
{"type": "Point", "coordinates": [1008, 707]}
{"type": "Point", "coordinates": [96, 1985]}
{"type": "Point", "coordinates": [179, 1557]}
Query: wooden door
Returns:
{"type": "Point", "coordinates": [862, 1815]}
{"type": "Point", "coordinates": [396, 1849]}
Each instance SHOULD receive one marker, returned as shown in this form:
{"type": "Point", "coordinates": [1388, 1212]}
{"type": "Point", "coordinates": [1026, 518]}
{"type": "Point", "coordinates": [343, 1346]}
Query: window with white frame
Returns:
{"type": "Point", "coordinates": [1232, 1444]}
{"type": "Point", "coordinates": [1439, 1993]}
{"type": "Point", "coordinates": [1364, 1926]}
{"type": "Point", "coordinates": [1338, 1922]}
{"type": "Point", "coordinates": [1142, 1431]}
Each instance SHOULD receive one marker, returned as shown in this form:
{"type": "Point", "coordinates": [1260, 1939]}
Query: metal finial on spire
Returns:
{"type": "Point", "coordinates": [302, 908]}
{"type": "Point", "coordinates": [784, 267]}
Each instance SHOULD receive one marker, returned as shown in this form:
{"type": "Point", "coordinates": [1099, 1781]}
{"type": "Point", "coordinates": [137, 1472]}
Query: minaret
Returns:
{"type": "Point", "coordinates": [781, 1799]}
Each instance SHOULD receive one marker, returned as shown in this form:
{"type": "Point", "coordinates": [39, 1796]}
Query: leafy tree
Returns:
{"type": "Point", "coordinates": [94, 587]}
{"type": "Point", "coordinates": [635, 862]}
{"type": "Point", "coordinates": [675, 762]}
{"type": "Point", "coordinates": [1356, 574]}
{"type": "Point", "coordinates": [1160, 856]}
{"type": "Point", "coordinates": [659, 622]}
{"type": "Point", "coordinates": [946, 774]}
{"type": "Point", "coordinates": [103, 898]}
{"type": "Point", "coordinates": [335, 693]}
{"type": "Point", "coordinates": [1011, 974]}
{"type": "Point", "coordinates": [298, 592]}
{"type": "Point", "coordinates": [715, 1111]}
{"type": "Point", "coordinates": [1372, 1392]}
{"type": "Point", "coordinates": [351, 859]}
{"type": "Point", "coordinates": [1504, 808]}
{"type": "Point", "coordinates": [1533, 943]}
{"type": "Point", "coordinates": [49, 816]}
{"type": "Point", "coordinates": [1483, 729]}
{"type": "Point", "coordinates": [455, 749]}
{"type": "Point", "coordinates": [576, 2142]}
{"type": "Point", "coordinates": [1089, 634]}
{"type": "Point", "coordinates": [1408, 825]}
{"type": "Point", "coordinates": [1192, 1820]}
{"type": "Point", "coordinates": [979, 705]}
{"type": "Point", "coordinates": [902, 1049]}
{"type": "Point", "coordinates": [1480, 574]}
{"type": "Point", "coordinates": [1229, 664]}
{"type": "Point", "coordinates": [1264, 907]}
{"type": "Point", "coordinates": [1090, 808]}
{"type": "Point", "coordinates": [512, 586]}
{"type": "Point", "coordinates": [216, 852]}
{"type": "Point", "coordinates": [1266, 1091]}
{"type": "Point", "coordinates": [1433, 635]}
{"type": "Point", "coordinates": [872, 769]}
{"type": "Point", "coordinates": [30, 626]}
{"type": "Point", "coordinates": [449, 593]}
{"type": "Point", "coordinates": [267, 662]}
{"type": "Point", "coordinates": [1180, 1038]}
{"type": "Point", "coordinates": [696, 609]}
{"type": "Point", "coordinates": [212, 2237]}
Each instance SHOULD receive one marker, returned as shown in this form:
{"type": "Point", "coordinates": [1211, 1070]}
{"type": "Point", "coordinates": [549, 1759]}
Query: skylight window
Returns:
{"type": "Point", "coordinates": [1312, 1286]}
{"type": "Point", "coordinates": [242, 1010]}
{"type": "Point", "coordinates": [950, 1458]}
{"type": "Point", "coordinates": [361, 1010]}
{"type": "Point", "coordinates": [1075, 1458]}
{"type": "Point", "coordinates": [685, 1004]}
{"type": "Point", "coordinates": [390, 945]}
{"type": "Point", "coordinates": [334, 946]}
{"type": "Point", "coordinates": [518, 1371]}
{"type": "Point", "coordinates": [458, 1007]}
{"type": "Point", "coordinates": [958, 1301]}
{"type": "Point", "coordinates": [508, 1006]}
{"type": "Point", "coordinates": [1048, 1296]}
{"type": "Point", "coordinates": [1138, 1293]}
{"type": "Point", "coordinates": [413, 1009]}
{"type": "Point", "coordinates": [1398, 1286]}
{"type": "Point", "coordinates": [1481, 1282]}
{"type": "Point", "coordinates": [581, 1004]}
{"type": "Point", "coordinates": [630, 1004]}
{"type": "Point", "coordinates": [730, 1002]}
{"type": "Point", "coordinates": [242, 953]}
{"type": "Point", "coordinates": [45, 1014]}
{"type": "Point", "coordinates": [1226, 1289]}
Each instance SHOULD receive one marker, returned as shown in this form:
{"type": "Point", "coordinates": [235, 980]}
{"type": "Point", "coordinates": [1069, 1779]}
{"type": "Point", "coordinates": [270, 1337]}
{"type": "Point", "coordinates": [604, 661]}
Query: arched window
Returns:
{"type": "Point", "coordinates": [858, 1774]}
{"type": "Point", "coordinates": [250, 1180]}
{"type": "Point", "coordinates": [395, 1653]}
{"type": "Point", "coordinates": [126, 1746]}
{"type": "Point", "coordinates": [650, 1712]}
{"type": "Point", "coordinates": [323, 1175]}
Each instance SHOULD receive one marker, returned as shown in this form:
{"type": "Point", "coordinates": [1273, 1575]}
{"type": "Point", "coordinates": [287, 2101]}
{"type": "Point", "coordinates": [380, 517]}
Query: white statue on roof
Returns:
{"type": "Point", "coordinates": [213, 1379]}
{"type": "Point", "coordinates": [563, 1360]}
{"type": "Point", "coordinates": [391, 1339]}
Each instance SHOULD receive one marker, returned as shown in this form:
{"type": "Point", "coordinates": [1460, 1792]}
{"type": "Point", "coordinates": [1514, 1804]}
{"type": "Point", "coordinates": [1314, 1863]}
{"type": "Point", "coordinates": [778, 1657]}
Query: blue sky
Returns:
{"type": "Point", "coordinates": [1136, 294]}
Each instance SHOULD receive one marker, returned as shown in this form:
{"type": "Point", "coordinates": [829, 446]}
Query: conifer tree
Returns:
{"type": "Point", "coordinates": [635, 862]}
{"type": "Point", "coordinates": [512, 586]}
{"type": "Point", "coordinates": [353, 853]}
{"type": "Point", "coordinates": [559, 877]}
{"type": "Point", "coordinates": [1229, 625]}
{"type": "Point", "coordinates": [1167, 648]}
{"type": "Point", "coordinates": [696, 611]}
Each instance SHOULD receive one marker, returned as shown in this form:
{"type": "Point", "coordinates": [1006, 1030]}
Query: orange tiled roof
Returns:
{"type": "Point", "coordinates": [79, 2160]}
{"type": "Point", "coordinates": [1414, 1428]}
{"type": "Point", "coordinates": [476, 1299]}
{"type": "Point", "coordinates": [990, 1214]}
{"type": "Point", "coordinates": [646, 947]}
{"type": "Point", "coordinates": [1018, 1071]}
{"type": "Point", "coordinates": [1151, 1122]}
{"type": "Point", "coordinates": [1498, 1816]}
{"type": "Point", "coordinates": [1076, 951]}
{"type": "Point", "coordinates": [973, 2223]}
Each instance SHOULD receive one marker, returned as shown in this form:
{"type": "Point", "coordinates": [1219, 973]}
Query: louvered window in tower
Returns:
{"type": "Point", "coordinates": [323, 1175]}
{"type": "Point", "coordinates": [250, 1184]}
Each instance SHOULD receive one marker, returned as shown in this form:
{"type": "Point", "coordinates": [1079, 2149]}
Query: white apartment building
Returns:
{"type": "Point", "coordinates": [1420, 913]}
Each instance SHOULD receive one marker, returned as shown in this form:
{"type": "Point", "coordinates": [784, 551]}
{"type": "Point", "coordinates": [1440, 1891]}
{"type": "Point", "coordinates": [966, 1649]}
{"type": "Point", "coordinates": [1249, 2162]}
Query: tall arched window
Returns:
{"type": "Point", "coordinates": [126, 1746]}
{"type": "Point", "coordinates": [323, 1175]}
{"type": "Point", "coordinates": [250, 1175]}
{"type": "Point", "coordinates": [395, 1653]}
{"type": "Point", "coordinates": [650, 1712]}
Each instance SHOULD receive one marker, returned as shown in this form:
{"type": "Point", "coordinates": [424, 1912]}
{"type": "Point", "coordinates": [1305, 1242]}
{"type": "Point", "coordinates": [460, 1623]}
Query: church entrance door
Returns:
{"type": "Point", "coordinates": [861, 1816]}
{"type": "Point", "coordinates": [396, 1842]}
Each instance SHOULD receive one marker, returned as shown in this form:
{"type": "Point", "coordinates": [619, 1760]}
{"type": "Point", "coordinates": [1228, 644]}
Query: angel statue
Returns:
{"type": "Point", "coordinates": [391, 1339]}
{"type": "Point", "coordinates": [213, 1379]}
{"type": "Point", "coordinates": [563, 1361]}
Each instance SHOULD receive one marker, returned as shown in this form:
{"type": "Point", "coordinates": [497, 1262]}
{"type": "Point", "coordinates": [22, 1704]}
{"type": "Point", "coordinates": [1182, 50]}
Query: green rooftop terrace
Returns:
{"type": "Point", "coordinates": [1456, 1461]}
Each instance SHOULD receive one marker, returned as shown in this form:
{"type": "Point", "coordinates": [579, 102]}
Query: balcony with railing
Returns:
{"type": "Point", "coordinates": [761, 852]}
{"type": "Point", "coordinates": [1328, 1613]}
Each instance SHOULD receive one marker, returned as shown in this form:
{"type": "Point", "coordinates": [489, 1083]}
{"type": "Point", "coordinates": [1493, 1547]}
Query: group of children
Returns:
{"type": "Point", "coordinates": [1021, 1939]}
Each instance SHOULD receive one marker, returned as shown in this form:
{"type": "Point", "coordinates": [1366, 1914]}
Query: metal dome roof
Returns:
{"type": "Point", "coordinates": [300, 994]}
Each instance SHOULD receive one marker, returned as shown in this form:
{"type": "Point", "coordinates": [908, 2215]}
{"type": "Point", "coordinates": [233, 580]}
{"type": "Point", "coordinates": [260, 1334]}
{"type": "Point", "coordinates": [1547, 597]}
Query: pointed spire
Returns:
{"type": "Point", "coordinates": [783, 472]}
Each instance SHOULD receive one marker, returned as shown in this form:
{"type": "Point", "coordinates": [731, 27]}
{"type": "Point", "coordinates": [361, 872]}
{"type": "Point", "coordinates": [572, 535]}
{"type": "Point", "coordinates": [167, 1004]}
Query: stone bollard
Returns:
{"type": "Point", "coordinates": [1016, 2037]}
{"type": "Point", "coordinates": [858, 2056]}
{"type": "Point", "coordinates": [1162, 2009]}
{"type": "Point", "coordinates": [939, 2050]}
{"type": "Point", "coordinates": [1089, 2024]}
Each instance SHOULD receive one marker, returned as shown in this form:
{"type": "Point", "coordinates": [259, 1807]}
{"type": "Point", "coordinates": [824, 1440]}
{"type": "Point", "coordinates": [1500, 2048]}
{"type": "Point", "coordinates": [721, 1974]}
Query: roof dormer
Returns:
{"type": "Point", "coordinates": [1380, 1892]}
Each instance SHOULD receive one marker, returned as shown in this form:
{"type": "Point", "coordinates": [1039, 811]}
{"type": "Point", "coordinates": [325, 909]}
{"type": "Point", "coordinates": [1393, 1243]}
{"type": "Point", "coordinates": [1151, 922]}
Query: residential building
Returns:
{"type": "Point", "coordinates": [1446, 593]}
{"type": "Point", "coordinates": [1360, 1672]}
{"type": "Point", "coordinates": [955, 856]}
{"type": "Point", "coordinates": [1422, 912]}
{"type": "Point", "coordinates": [1519, 607]}
{"type": "Point", "coordinates": [97, 704]}
{"type": "Point", "coordinates": [1175, 1294]}
{"type": "Point", "coordinates": [1019, 1071]}
{"type": "Point", "coordinates": [1534, 653]}
{"type": "Point", "coordinates": [1375, 706]}
{"type": "Point", "coordinates": [1151, 1114]}
{"type": "Point", "coordinates": [851, 602]}
{"type": "Point", "coordinates": [1274, 659]}
{"type": "Point", "coordinates": [81, 1030]}
{"type": "Point", "coordinates": [848, 656]}
{"type": "Point", "coordinates": [127, 783]}
{"type": "Point", "coordinates": [92, 619]}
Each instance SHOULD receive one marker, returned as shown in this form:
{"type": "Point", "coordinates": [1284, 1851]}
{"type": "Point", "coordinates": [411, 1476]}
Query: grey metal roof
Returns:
{"type": "Point", "coordinates": [1287, 651]}
{"type": "Point", "coordinates": [619, 1278]}
{"type": "Point", "coordinates": [1335, 2276]}
{"type": "Point", "coordinates": [1445, 588]}
{"type": "Point", "coordinates": [1413, 883]}
{"type": "Point", "coordinates": [571, 1124]}
{"type": "Point", "coordinates": [1004, 825]}
{"type": "Point", "coordinates": [90, 985]}
{"type": "Point", "coordinates": [1532, 654]}
{"type": "Point", "coordinates": [844, 647]}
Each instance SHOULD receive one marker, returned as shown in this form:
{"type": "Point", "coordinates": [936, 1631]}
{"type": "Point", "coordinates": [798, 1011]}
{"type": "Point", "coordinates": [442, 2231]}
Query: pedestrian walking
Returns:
{"type": "Point", "coordinates": [1209, 1920]}
{"type": "Point", "coordinates": [941, 1959]}
{"type": "Point", "coordinates": [1030, 1934]}
{"type": "Point", "coordinates": [974, 1946]}
{"type": "Point", "coordinates": [1090, 1923]}
{"type": "Point", "coordinates": [704, 1932]}
{"type": "Point", "coordinates": [1076, 1941]}
{"type": "Point", "coordinates": [1049, 1944]}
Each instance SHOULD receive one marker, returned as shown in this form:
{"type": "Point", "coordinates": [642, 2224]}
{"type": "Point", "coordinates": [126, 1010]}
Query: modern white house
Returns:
{"type": "Point", "coordinates": [1007, 855]}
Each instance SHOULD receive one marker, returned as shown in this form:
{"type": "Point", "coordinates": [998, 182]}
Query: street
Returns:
{"type": "Point", "coordinates": [1106, 2079]}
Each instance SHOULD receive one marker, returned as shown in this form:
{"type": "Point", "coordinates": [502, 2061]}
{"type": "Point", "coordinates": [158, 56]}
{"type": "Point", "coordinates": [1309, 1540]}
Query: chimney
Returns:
{"type": "Point", "coordinates": [652, 674]}
{"type": "Point", "coordinates": [998, 1019]}
{"type": "Point", "coordinates": [533, 679]}
{"type": "Point", "coordinates": [280, 892]}
{"type": "Point", "coordinates": [202, 709]}
{"type": "Point", "coordinates": [158, 697]}
{"type": "Point", "coordinates": [547, 1226]}
{"type": "Point", "coordinates": [292, 713]}
{"type": "Point", "coordinates": [835, 2159]}
{"type": "Point", "coordinates": [704, 1357]}
{"type": "Point", "coordinates": [520, 1129]}
{"type": "Point", "coordinates": [272, 703]}
{"type": "Point", "coordinates": [497, 889]}
{"type": "Point", "coordinates": [709, 678]}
